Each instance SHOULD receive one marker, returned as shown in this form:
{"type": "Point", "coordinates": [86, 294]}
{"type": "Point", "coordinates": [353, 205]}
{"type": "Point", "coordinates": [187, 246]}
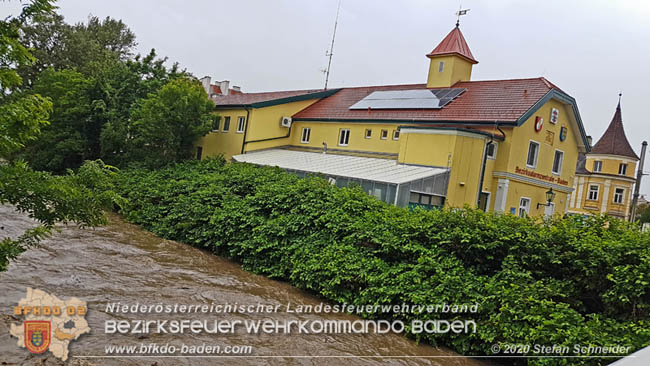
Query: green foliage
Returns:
{"type": "Point", "coordinates": [21, 117]}
{"type": "Point", "coordinates": [83, 46]}
{"type": "Point", "coordinates": [118, 88]}
{"type": "Point", "coordinates": [77, 197]}
{"type": "Point", "coordinates": [167, 123]}
{"type": "Point", "coordinates": [95, 83]}
{"type": "Point", "coordinates": [67, 141]}
{"type": "Point", "coordinates": [560, 281]}
{"type": "Point", "coordinates": [21, 121]}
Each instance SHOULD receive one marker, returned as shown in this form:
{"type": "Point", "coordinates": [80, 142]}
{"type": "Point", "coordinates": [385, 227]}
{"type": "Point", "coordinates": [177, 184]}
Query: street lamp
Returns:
{"type": "Point", "coordinates": [550, 196]}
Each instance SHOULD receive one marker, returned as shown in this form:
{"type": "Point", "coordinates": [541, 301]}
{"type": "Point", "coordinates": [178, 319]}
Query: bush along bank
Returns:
{"type": "Point", "coordinates": [561, 282]}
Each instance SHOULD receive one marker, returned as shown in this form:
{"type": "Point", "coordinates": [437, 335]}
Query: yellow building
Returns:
{"type": "Point", "coordinates": [502, 145]}
{"type": "Point", "coordinates": [605, 176]}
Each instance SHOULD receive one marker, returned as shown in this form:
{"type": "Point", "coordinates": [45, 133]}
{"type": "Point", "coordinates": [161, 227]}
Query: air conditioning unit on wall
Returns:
{"type": "Point", "coordinates": [285, 122]}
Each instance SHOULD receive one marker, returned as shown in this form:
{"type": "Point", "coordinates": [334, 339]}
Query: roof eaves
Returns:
{"type": "Point", "coordinates": [397, 120]}
{"type": "Point", "coordinates": [469, 59]}
{"type": "Point", "coordinates": [231, 106]}
{"type": "Point", "coordinates": [469, 130]}
{"type": "Point", "coordinates": [295, 98]}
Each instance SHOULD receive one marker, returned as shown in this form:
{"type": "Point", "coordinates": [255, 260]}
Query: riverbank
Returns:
{"type": "Point", "coordinates": [562, 282]}
{"type": "Point", "coordinates": [121, 262]}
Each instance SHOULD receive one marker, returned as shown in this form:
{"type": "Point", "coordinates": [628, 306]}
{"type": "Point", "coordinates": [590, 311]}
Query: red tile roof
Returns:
{"type": "Point", "coordinates": [614, 141]}
{"type": "Point", "coordinates": [238, 99]}
{"type": "Point", "coordinates": [483, 101]}
{"type": "Point", "coordinates": [454, 43]}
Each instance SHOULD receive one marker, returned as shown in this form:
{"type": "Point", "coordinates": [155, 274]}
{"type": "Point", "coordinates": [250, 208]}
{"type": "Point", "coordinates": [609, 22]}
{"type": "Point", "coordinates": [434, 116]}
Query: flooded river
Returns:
{"type": "Point", "coordinates": [123, 263]}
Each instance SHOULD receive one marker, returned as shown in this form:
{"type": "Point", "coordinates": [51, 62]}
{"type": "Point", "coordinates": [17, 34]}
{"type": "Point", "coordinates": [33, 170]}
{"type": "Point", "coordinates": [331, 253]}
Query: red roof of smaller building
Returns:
{"type": "Point", "coordinates": [483, 101]}
{"type": "Point", "coordinates": [614, 141]}
{"type": "Point", "coordinates": [217, 90]}
{"type": "Point", "coordinates": [454, 43]}
{"type": "Point", "coordinates": [238, 99]}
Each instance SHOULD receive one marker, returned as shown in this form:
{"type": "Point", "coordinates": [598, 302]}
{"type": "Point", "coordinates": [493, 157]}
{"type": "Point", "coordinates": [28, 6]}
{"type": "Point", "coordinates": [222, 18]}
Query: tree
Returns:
{"type": "Point", "coordinates": [83, 47]}
{"type": "Point", "coordinates": [166, 124]}
{"type": "Point", "coordinates": [21, 117]}
{"type": "Point", "coordinates": [90, 75]}
{"type": "Point", "coordinates": [77, 197]}
{"type": "Point", "coordinates": [120, 86]}
{"type": "Point", "coordinates": [72, 134]}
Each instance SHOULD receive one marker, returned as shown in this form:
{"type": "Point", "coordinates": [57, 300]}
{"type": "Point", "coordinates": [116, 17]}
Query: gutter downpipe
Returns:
{"type": "Point", "coordinates": [270, 138]}
{"type": "Point", "coordinates": [482, 178]}
{"type": "Point", "coordinates": [243, 143]}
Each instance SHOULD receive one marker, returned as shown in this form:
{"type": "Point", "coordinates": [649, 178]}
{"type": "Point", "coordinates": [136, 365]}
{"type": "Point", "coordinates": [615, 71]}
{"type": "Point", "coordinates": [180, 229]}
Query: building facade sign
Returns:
{"type": "Point", "coordinates": [539, 176]}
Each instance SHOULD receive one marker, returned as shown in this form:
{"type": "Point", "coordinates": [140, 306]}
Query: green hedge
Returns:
{"type": "Point", "coordinates": [558, 282]}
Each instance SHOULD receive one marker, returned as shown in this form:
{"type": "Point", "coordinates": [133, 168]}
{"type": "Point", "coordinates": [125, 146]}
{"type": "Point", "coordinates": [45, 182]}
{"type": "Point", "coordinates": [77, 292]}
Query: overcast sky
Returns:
{"type": "Point", "coordinates": [592, 49]}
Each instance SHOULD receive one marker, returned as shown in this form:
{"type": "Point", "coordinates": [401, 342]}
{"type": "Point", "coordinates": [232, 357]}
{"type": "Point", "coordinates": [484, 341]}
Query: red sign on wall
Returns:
{"type": "Point", "coordinates": [539, 122]}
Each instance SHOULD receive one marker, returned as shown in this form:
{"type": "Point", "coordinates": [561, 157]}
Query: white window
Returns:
{"type": "Point", "coordinates": [593, 192]}
{"type": "Point", "coordinates": [226, 124]}
{"type": "Point", "coordinates": [491, 151]}
{"type": "Point", "coordinates": [524, 207]}
{"type": "Point", "coordinates": [557, 162]}
{"type": "Point", "coordinates": [441, 66]}
{"type": "Point", "coordinates": [306, 134]}
{"type": "Point", "coordinates": [598, 166]}
{"type": "Point", "coordinates": [622, 169]}
{"type": "Point", "coordinates": [619, 193]}
{"type": "Point", "coordinates": [344, 137]}
{"type": "Point", "coordinates": [384, 134]}
{"type": "Point", "coordinates": [368, 133]}
{"type": "Point", "coordinates": [241, 124]}
{"type": "Point", "coordinates": [395, 134]}
{"type": "Point", "coordinates": [533, 153]}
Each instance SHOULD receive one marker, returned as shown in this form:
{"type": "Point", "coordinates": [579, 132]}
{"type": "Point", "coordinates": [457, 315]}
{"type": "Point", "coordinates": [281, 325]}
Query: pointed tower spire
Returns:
{"type": "Point", "coordinates": [453, 44]}
{"type": "Point", "coordinates": [614, 141]}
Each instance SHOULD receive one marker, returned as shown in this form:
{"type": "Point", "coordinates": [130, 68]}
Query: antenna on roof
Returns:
{"type": "Point", "coordinates": [460, 12]}
{"type": "Point", "coordinates": [331, 51]}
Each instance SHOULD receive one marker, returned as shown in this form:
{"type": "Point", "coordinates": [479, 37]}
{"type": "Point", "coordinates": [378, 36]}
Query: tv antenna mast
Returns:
{"type": "Point", "coordinates": [331, 51]}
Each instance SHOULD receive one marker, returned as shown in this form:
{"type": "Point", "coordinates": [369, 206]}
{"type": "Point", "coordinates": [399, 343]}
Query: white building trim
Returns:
{"type": "Point", "coordinates": [501, 195]}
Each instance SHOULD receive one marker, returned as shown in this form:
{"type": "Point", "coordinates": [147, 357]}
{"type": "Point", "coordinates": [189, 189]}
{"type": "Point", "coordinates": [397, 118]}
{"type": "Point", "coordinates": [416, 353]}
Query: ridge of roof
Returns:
{"type": "Point", "coordinates": [614, 141]}
{"type": "Point", "coordinates": [423, 85]}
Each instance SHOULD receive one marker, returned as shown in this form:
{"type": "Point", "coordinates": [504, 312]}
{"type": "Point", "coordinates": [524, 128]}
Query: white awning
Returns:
{"type": "Point", "coordinates": [372, 169]}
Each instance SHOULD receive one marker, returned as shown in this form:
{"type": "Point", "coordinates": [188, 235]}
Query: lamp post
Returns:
{"type": "Point", "coordinates": [550, 196]}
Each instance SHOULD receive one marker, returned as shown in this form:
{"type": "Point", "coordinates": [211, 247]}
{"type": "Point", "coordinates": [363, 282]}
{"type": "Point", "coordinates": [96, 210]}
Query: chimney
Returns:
{"type": "Point", "coordinates": [236, 88]}
{"type": "Point", "coordinates": [224, 86]}
{"type": "Point", "coordinates": [205, 82]}
{"type": "Point", "coordinates": [589, 141]}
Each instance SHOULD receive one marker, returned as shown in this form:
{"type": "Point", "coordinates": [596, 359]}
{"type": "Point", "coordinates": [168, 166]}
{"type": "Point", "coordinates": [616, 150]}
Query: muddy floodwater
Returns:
{"type": "Point", "coordinates": [122, 263]}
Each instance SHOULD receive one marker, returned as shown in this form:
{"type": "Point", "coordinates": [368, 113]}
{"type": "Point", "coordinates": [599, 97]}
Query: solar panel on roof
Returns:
{"type": "Point", "coordinates": [408, 99]}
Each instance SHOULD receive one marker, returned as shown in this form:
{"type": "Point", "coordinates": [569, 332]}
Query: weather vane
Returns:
{"type": "Point", "coordinates": [460, 12]}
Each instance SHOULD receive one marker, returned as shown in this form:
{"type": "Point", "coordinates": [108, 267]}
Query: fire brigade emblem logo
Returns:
{"type": "Point", "coordinates": [37, 335]}
{"type": "Point", "coordinates": [563, 132]}
{"type": "Point", "coordinates": [539, 122]}
{"type": "Point", "coordinates": [49, 324]}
